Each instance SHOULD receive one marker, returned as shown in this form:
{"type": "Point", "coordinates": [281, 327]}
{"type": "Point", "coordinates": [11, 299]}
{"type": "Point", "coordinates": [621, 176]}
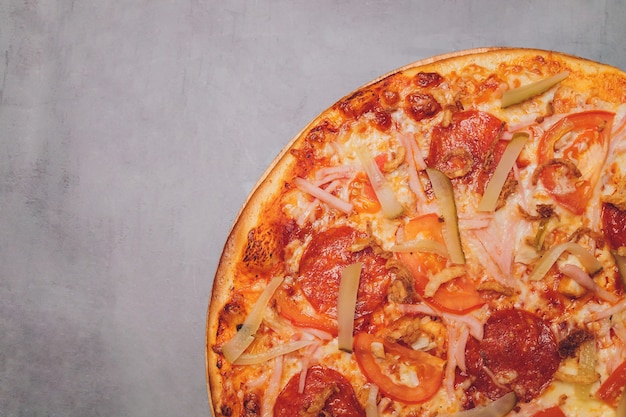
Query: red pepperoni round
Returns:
{"type": "Point", "coordinates": [324, 259]}
{"type": "Point", "coordinates": [326, 392]}
{"type": "Point", "coordinates": [518, 353]}
{"type": "Point", "coordinates": [468, 148]}
{"type": "Point", "coordinates": [614, 225]}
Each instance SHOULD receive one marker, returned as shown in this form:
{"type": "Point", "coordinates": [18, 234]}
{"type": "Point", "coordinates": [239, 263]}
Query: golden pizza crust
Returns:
{"type": "Point", "coordinates": [609, 84]}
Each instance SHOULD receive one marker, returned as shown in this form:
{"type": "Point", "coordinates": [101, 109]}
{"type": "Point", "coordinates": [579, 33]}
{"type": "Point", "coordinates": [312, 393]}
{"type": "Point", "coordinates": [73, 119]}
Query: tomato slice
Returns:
{"type": "Point", "coordinates": [292, 310]}
{"type": "Point", "coordinates": [581, 139]}
{"type": "Point", "coordinates": [550, 412]}
{"type": "Point", "coordinates": [612, 388]}
{"type": "Point", "coordinates": [362, 194]}
{"type": "Point", "coordinates": [428, 368]}
{"type": "Point", "coordinates": [458, 295]}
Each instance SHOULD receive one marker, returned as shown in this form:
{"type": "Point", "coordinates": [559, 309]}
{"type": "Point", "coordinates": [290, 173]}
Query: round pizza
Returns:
{"type": "Point", "coordinates": [447, 240]}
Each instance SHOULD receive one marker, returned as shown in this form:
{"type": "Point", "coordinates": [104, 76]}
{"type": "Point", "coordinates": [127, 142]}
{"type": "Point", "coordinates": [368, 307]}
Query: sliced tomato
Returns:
{"type": "Point", "coordinates": [428, 368]}
{"type": "Point", "coordinates": [295, 312]}
{"type": "Point", "coordinates": [550, 412]}
{"type": "Point", "coordinates": [612, 388]}
{"type": "Point", "coordinates": [381, 160]}
{"type": "Point", "coordinates": [585, 146]}
{"type": "Point", "coordinates": [362, 194]}
{"type": "Point", "coordinates": [458, 295]}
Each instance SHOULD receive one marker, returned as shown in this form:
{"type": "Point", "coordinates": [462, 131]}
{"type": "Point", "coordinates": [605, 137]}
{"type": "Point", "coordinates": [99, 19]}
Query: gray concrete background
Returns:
{"type": "Point", "coordinates": [132, 131]}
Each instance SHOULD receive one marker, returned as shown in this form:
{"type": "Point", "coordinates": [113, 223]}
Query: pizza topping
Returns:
{"type": "Point", "coordinates": [390, 205]}
{"type": "Point", "coordinates": [571, 154]}
{"type": "Point", "coordinates": [457, 295]}
{"type": "Point", "coordinates": [326, 255]}
{"type": "Point", "coordinates": [371, 408]}
{"type": "Point", "coordinates": [498, 408]}
{"type": "Point", "coordinates": [613, 386]}
{"type": "Point", "coordinates": [570, 344]}
{"type": "Point", "coordinates": [245, 335]}
{"type": "Point", "coordinates": [362, 195]}
{"type": "Point", "coordinates": [586, 374]}
{"type": "Point", "coordinates": [614, 226]}
{"type": "Point", "coordinates": [282, 349]}
{"type": "Point", "coordinates": [441, 277]}
{"type": "Point", "coordinates": [554, 253]}
{"type": "Point", "coordinates": [326, 392]}
{"type": "Point", "coordinates": [554, 411]}
{"type": "Point", "coordinates": [583, 279]}
{"type": "Point", "coordinates": [420, 106]}
{"type": "Point", "coordinates": [272, 388]}
{"type": "Point", "coordinates": [421, 245]}
{"type": "Point", "coordinates": [427, 79]}
{"type": "Point", "coordinates": [467, 146]}
{"type": "Point", "coordinates": [620, 263]}
{"type": "Point", "coordinates": [347, 303]}
{"type": "Point", "coordinates": [323, 195]}
{"type": "Point", "coordinates": [444, 192]}
{"type": "Point", "coordinates": [494, 187]}
{"type": "Point", "coordinates": [517, 353]}
{"type": "Point", "coordinates": [404, 374]}
{"type": "Point", "coordinates": [292, 305]}
{"type": "Point", "coordinates": [366, 102]}
{"type": "Point", "coordinates": [525, 92]}
{"type": "Point", "coordinates": [482, 237]}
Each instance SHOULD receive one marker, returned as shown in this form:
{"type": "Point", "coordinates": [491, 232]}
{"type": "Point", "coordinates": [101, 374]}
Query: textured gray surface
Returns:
{"type": "Point", "coordinates": [131, 133]}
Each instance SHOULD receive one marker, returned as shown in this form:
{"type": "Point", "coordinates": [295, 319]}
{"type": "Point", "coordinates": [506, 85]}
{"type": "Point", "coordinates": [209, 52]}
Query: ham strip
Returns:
{"type": "Point", "coordinates": [323, 195]}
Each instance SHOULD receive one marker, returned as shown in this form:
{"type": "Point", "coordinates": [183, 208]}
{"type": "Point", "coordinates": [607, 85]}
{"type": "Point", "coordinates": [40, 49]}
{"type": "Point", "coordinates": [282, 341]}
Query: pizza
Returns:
{"type": "Point", "coordinates": [447, 240]}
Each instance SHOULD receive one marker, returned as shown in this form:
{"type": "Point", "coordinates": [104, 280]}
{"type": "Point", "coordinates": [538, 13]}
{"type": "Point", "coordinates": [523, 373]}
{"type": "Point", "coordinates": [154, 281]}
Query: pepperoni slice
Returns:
{"type": "Point", "coordinates": [322, 262]}
{"type": "Point", "coordinates": [614, 225]}
{"type": "Point", "coordinates": [518, 353]}
{"type": "Point", "coordinates": [326, 392]}
{"type": "Point", "coordinates": [468, 147]}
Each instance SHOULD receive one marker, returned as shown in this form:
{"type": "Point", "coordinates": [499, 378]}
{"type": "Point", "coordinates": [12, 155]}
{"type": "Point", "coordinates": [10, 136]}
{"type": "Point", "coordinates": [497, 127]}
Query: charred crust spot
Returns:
{"type": "Point", "coordinates": [263, 249]}
{"type": "Point", "coordinates": [232, 312]}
